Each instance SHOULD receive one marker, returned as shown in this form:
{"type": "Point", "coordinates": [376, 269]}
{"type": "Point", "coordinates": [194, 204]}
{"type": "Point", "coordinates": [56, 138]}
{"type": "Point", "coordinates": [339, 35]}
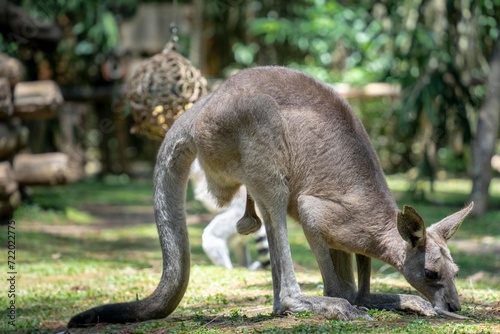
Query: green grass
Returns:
{"type": "Point", "coordinates": [69, 259]}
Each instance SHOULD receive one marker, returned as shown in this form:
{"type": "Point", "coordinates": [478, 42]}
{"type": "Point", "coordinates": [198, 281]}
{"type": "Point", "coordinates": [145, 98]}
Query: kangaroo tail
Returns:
{"type": "Point", "coordinates": [171, 172]}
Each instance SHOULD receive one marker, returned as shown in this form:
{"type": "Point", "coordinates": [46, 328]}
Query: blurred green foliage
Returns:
{"type": "Point", "coordinates": [437, 51]}
{"type": "Point", "coordinates": [329, 41]}
{"type": "Point", "coordinates": [90, 34]}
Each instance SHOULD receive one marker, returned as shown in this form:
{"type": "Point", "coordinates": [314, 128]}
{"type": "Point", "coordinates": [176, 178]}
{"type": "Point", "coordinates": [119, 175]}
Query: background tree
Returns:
{"type": "Point", "coordinates": [485, 140]}
{"type": "Point", "coordinates": [437, 51]}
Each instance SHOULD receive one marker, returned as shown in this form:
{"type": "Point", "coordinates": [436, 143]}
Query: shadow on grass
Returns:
{"type": "Point", "coordinates": [39, 246]}
{"type": "Point", "coordinates": [136, 192]}
{"type": "Point", "coordinates": [235, 319]}
{"type": "Point", "coordinates": [199, 323]}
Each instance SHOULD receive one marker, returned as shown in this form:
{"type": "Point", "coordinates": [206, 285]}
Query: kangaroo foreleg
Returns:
{"type": "Point", "coordinates": [335, 266]}
{"type": "Point", "coordinates": [400, 302]}
{"type": "Point", "coordinates": [364, 266]}
{"type": "Point", "coordinates": [288, 297]}
{"type": "Point", "coordinates": [342, 262]}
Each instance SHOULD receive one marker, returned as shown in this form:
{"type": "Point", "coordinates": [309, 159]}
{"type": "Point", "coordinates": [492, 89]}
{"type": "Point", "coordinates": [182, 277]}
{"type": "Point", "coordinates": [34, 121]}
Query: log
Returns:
{"type": "Point", "coordinates": [11, 69]}
{"type": "Point", "coordinates": [372, 90]}
{"type": "Point", "coordinates": [495, 162]}
{"type": "Point", "coordinates": [6, 107]}
{"type": "Point", "coordinates": [41, 169]}
{"type": "Point", "coordinates": [8, 205]}
{"type": "Point", "coordinates": [8, 183]}
{"type": "Point", "coordinates": [37, 99]}
{"type": "Point", "coordinates": [10, 197]}
{"type": "Point", "coordinates": [13, 137]}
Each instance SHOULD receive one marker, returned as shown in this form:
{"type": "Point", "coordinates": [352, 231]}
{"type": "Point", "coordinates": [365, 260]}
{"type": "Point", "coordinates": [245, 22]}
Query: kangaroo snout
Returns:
{"type": "Point", "coordinates": [448, 304]}
{"type": "Point", "coordinates": [453, 307]}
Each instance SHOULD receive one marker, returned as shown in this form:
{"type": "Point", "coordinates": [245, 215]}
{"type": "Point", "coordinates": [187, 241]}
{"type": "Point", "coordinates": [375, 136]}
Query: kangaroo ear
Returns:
{"type": "Point", "coordinates": [448, 226]}
{"type": "Point", "coordinates": [411, 226]}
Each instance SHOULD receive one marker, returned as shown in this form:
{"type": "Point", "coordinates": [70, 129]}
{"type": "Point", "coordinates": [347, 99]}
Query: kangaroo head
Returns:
{"type": "Point", "coordinates": [428, 265]}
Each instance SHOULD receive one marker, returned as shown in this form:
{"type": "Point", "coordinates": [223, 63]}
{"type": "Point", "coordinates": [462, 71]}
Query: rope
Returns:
{"type": "Point", "coordinates": [173, 26]}
{"type": "Point", "coordinates": [163, 87]}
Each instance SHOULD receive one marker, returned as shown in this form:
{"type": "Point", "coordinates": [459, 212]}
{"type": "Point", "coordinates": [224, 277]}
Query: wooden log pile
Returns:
{"type": "Point", "coordinates": [11, 69]}
{"type": "Point", "coordinates": [37, 100]}
{"type": "Point", "coordinates": [13, 137]}
{"type": "Point", "coordinates": [6, 106]}
{"type": "Point", "coordinates": [25, 101]}
{"type": "Point", "coordinates": [10, 197]}
{"type": "Point", "coordinates": [41, 169]}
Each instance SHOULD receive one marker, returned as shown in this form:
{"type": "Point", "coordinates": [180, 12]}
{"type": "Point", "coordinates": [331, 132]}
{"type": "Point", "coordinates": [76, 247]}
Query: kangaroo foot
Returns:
{"type": "Point", "coordinates": [420, 306]}
{"type": "Point", "coordinates": [405, 303]}
{"type": "Point", "coordinates": [329, 307]}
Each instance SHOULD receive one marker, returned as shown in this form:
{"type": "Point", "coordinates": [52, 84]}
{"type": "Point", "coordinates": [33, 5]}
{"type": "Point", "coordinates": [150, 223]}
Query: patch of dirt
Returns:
{"type": "Point", "coordinates": [112, 215]}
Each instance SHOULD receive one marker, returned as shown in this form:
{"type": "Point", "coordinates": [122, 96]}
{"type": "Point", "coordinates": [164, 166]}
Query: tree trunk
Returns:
{"type": "Point", "coordinates": [483, 146]}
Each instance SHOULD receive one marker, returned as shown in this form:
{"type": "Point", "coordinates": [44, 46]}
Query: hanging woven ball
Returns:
{"type": "Point", "coordinates": [161, 89]}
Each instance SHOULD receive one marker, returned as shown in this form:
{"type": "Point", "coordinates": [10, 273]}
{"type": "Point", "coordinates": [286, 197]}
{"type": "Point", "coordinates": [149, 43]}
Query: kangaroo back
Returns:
{"type": "Point", "coordinates": [283, 122]}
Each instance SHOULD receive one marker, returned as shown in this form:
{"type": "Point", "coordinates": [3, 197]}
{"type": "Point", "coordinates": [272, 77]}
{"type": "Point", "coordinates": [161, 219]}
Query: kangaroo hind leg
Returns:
{"type": "Point", "coordinates": [290, 297]}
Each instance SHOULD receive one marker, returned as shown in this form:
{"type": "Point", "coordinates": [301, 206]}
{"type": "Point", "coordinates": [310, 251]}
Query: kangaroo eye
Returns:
{"type": "Point", "coordinates": [431, 275]}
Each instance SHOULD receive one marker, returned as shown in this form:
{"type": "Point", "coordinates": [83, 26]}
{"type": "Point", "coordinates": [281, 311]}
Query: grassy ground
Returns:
{"type": "Point", "coordinates": [90, 243]}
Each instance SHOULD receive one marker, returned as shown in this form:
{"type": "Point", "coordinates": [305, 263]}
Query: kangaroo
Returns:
{"type": "Point", "coordinates": [299, 149]}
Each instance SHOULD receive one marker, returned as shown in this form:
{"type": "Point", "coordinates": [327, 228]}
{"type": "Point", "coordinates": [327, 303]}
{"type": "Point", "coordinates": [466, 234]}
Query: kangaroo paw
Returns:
{"type": "Point", "coordinates": [416, 304]}
{"type": "Point", "coordinates": [248, 225]}
{"type": "Point", "coordinates": [329, 307]}
{"type": "Point", "coordinates": [420, 306]}
{"type": "Point", "coordinates": [450, 314]}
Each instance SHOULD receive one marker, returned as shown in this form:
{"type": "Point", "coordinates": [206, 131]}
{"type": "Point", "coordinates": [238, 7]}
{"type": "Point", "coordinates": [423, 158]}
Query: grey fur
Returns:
{"type": "Point", "coordinates": [300, 150]}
